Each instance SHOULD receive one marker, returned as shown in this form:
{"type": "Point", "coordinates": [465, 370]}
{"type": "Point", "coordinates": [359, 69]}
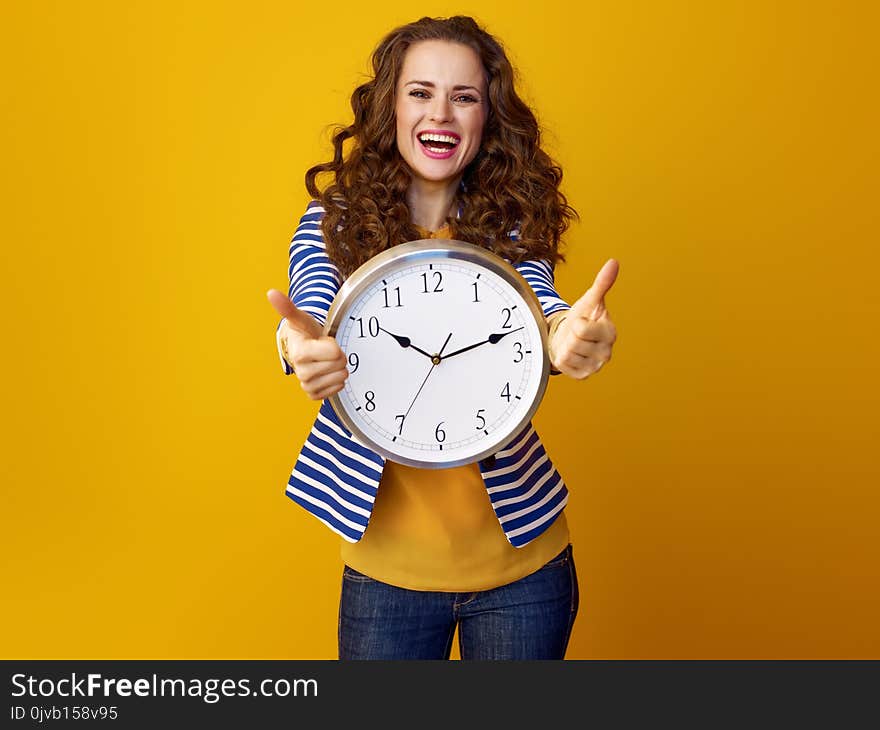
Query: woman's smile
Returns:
{"type": "Point", "coordinates": [439, 144]}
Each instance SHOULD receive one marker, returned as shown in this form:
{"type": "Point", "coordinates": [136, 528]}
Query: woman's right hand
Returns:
{"type": "Point", "coordinates": [316, 359]}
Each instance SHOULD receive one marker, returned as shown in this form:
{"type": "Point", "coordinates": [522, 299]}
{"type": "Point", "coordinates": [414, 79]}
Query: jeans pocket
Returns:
{"type": "Point", "coordinates": [560, 560]}
{"type": "Point", "coordinates": [354, 576]}
{"type": "Point", "coordinates": [575, 588]}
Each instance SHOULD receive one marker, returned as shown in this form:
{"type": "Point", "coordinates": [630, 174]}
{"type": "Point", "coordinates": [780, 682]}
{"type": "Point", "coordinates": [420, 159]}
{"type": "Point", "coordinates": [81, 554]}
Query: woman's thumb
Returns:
{"type": "Point", "coordinates": [297, 320]}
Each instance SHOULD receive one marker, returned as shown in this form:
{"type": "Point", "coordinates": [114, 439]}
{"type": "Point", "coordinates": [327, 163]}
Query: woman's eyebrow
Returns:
{"type": "Point", "coordinates": [457, 87]}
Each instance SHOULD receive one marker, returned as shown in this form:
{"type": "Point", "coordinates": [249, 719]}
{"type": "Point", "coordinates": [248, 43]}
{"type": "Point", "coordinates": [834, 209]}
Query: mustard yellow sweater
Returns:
{"type": "Point", "coordinates": [435, 530]}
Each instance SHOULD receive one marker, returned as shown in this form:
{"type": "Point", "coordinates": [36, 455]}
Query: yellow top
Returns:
{"type": "Point", "coordinates": [435, 530]}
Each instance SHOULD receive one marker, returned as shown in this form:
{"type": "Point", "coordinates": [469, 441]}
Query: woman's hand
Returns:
{"type": "Point", "coordinates": [317, 360]}
{"type": "Point", "coordinates": [581, 342]}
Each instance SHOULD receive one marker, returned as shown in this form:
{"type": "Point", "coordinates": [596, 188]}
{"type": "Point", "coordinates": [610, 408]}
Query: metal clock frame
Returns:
{"type": "Point", "coordinates": [412, 252]}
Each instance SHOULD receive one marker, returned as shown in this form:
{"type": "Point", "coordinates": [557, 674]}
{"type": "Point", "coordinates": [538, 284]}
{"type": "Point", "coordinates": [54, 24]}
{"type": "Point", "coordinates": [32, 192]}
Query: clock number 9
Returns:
{"type": "Point", "coordinates": [354, 361]}
{"type": "Point", "coordinates": [372, 326]}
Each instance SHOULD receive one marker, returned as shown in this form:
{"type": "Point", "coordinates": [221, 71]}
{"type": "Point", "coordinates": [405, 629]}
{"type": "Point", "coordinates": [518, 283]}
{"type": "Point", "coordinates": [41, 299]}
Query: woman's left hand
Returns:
{"type": "Point", "coordinates": [581, 343]}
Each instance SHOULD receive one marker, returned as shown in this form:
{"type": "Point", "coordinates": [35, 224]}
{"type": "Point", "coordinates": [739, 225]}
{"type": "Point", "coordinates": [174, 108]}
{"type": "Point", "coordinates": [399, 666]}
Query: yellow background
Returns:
{"type": "Point", "coordinates": [724, 466]}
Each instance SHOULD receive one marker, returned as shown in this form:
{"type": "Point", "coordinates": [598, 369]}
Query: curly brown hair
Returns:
{"type": "Point", "coordinates": [511, 184]}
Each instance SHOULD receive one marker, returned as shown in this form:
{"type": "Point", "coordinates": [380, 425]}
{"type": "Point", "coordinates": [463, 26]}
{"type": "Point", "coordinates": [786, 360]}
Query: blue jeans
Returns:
{"type": "Point", "coordinates": [528, 619]}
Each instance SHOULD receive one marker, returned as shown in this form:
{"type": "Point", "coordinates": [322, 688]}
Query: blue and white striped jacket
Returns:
{"type": "Point", "coordinates": [336, 478]}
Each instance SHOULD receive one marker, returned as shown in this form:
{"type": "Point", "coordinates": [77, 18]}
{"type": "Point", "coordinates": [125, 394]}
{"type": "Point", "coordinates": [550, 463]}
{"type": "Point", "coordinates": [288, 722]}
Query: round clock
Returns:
{"type": "Point", "coordinates": [446, 348]}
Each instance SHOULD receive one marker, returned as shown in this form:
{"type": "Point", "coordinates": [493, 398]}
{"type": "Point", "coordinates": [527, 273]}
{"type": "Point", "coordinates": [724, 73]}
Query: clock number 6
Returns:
{"type": "Point", "coordinates": [439, 433]}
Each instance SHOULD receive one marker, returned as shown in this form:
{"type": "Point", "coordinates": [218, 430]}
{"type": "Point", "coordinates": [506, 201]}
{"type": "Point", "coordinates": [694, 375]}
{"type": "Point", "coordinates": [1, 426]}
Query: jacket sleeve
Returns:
{"type": "Point", "coordinates": [539, 275]}
{"type": "Point", "coordinates": [314, 279]}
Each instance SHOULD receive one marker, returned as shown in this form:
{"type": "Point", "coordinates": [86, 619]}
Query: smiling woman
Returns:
{"type": "Point", "coordinates": [440, 114]}
{"type": "Point", "coordinates": [443, 147]}
{"type": "Point", "coordinates": [446, 77]}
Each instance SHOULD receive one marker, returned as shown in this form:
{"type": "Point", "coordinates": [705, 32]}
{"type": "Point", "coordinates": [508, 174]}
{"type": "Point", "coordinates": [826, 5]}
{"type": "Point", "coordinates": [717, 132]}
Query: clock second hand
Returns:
{"type": "Point", "coordinates": [439, 357]}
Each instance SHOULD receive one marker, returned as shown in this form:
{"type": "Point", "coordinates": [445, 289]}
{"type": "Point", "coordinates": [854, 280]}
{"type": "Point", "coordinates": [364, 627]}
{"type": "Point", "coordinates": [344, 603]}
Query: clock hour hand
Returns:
{"type": "Point", "coordinates": [405, 342]}
{"type": "Point", "coordinates": [492, 339]}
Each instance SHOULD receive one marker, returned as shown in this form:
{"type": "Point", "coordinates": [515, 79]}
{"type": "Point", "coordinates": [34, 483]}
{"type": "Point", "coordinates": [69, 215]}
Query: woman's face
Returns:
{"type": "Point", "coordinates": [441, 109]}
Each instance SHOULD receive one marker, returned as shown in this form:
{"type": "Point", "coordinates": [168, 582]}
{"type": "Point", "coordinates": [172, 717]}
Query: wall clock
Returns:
{"type": "Point", "coordinates": [447, 353]}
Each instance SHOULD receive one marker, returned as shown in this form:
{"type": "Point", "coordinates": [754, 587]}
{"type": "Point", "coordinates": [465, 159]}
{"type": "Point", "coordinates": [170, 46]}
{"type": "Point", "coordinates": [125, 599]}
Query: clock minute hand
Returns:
{"type": "Point", "coordinates": [405, 342]}
{"type": "Point", "coordinates": [492, 339]}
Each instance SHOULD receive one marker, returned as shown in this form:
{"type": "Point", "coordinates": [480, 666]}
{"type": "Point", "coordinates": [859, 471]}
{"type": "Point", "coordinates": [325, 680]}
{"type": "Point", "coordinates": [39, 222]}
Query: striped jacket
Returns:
{"type": "Point", "coordinates": [336, 478]}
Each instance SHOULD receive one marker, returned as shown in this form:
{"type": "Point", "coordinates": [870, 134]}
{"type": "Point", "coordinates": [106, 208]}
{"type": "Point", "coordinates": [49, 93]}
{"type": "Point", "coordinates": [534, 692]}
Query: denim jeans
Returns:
{"type": "Point", "coordinates": [530, 618]}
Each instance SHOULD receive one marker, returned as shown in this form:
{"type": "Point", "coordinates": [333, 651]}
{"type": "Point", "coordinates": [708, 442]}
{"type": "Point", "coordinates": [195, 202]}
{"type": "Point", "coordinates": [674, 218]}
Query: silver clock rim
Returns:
{"type": "Point", "coordinates": [365, 276]}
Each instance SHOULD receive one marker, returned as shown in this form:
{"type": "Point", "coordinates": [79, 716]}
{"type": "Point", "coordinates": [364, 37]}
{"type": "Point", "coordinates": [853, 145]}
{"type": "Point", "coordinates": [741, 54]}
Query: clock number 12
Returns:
{"type": "Point", "coordinates": [438, 280]}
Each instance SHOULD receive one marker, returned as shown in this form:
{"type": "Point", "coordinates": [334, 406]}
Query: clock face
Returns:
{"type": "Point", "coordinates": [446, 353]}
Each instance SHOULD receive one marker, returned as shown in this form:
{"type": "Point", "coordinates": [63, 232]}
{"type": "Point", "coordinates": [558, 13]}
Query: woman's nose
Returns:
{"type": "Point", "coordinates": [441, 109]}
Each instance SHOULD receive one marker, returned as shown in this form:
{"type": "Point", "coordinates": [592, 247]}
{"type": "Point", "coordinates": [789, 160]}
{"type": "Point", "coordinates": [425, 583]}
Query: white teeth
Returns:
{"type": "Point", "coordinates": [438, 138]}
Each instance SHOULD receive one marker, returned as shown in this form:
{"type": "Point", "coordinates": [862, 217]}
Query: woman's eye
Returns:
{"type": "Point", "coordinates": [465, 98]}
{"type": "Point", "coordinates": [419, 94]}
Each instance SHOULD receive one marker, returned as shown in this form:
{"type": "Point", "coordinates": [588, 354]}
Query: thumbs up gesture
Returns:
{"type": "Point", "coordinates": [317, 360]}
{"type": "Point", "coordinates": [581, 343]}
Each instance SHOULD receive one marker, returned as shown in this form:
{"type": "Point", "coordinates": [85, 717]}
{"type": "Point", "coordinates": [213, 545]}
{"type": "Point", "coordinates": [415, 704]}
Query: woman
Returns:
{"type": "Point", "coordinates": [441, 146]}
